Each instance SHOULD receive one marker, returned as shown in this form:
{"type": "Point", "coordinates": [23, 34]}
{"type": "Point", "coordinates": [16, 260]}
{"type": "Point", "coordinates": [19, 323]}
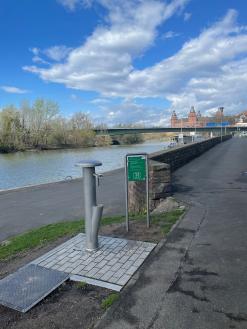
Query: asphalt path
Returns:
{"type": "Point", "coordinates": [197, 279]}
{"type": "Point", "coordinates": [31, 207]}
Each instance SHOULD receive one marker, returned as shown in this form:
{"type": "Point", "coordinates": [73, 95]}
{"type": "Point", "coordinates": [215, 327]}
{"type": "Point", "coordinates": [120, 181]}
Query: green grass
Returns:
{"type": "Point", "coordinates": [45, 234]}
{"type": "Point", "coordinates": [112, 220]}
{"type": "Point", "coordinates": [39, 237]}
{"type": "Point", "coordinates": [108, 301]}
{"type": "Point", "coordinates": [81, 285]}
{"type": "Point", "coordinates": [167, 220]}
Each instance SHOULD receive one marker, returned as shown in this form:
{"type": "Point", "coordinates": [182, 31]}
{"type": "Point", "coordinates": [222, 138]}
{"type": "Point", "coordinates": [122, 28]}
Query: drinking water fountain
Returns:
{"type": "Point", "coordinates": [93, 212]}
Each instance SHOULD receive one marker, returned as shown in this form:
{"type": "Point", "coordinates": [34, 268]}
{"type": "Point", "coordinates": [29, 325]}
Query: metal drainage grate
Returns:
{"type": "Point", "coordinates": [29, 285]}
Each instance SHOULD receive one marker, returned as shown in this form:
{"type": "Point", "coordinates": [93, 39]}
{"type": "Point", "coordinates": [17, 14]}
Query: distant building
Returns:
{"type": "Point", "coordinates": [194, 119]}
{"type": "Point", "coordinates": [241, 120]}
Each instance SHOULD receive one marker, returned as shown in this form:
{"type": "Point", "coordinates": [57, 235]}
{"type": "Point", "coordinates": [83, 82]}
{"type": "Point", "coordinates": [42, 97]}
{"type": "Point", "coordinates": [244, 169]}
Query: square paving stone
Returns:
{"type": "Point", "coordinates": [118, 257]}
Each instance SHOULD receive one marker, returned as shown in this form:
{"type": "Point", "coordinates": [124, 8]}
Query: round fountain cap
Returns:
{"type": "Point", "coordinates": [88, 163]}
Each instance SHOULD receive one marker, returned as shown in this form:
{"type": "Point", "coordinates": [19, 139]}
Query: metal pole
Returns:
{"type": "Point", "coordinates": [127, 195]}
{"type": "Point", "coordinates": [147, 192]}
{"type": "Point", "coordinates": [92, 212]}
{"type": "Point", "coordinates": [89, 192]}
{"type": "Point", "coordinates": [221, 132]}
{"type": "Point", "coordinates": [221, 129]}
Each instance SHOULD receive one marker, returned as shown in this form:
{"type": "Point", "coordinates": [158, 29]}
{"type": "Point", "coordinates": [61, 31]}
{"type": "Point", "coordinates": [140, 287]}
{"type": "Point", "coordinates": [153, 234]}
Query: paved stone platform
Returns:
{"type": "Point", "coordinates": [111, 266]}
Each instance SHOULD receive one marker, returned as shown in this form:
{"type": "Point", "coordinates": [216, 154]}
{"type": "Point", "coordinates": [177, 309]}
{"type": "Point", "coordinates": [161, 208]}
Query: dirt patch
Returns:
{"type": "Point", "coordinates": [70, 306]}
{"type": "Point", "coordinates": [137, 231]}
{"type": "Point", "coordinates": [67, 307]}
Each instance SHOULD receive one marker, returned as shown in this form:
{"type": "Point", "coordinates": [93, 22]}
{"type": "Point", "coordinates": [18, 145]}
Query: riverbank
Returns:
{"type": "Point", "coordinates": [95, 141]}
{"type": "Point", "coordinates": [100, 141]}
{"type": "Point", "coordinates": [41, 148]}
{"type": "Point", "coordinates": [35, 168]}
{"type": "Point", "coordinates": [54, 148]}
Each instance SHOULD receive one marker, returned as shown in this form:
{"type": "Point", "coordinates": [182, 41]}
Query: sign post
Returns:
{"type": "Point", "coordinates": [136, 170]}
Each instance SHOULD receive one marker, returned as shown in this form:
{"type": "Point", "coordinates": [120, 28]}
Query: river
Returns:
{"type": "Point", "coordinates": [33, 168]}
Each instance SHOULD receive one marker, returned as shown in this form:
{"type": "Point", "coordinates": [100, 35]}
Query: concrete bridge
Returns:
{"type": "Point", "coordinates": [123, 131]}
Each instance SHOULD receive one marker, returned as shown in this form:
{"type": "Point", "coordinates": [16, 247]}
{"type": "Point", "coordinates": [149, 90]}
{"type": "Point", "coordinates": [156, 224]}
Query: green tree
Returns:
{"type": "Point", "coordinates": [10, 129]}
{"type": "Point", "coordinates": [43, 114]}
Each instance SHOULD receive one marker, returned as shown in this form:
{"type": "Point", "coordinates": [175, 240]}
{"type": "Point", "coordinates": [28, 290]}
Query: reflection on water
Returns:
{"type": "Point", "coordinates": [31, 168]}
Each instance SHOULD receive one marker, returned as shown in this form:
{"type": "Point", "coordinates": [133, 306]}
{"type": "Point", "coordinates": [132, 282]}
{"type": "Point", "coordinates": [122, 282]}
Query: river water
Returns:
{"type": "Point", "coordinates": [33, 168]}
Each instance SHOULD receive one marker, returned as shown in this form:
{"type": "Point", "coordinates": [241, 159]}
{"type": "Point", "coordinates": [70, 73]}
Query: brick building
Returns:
{"type": "Point", "coordinates": [194, 119]}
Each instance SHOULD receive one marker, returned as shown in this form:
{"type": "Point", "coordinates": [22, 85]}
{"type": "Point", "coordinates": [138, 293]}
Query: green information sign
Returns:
{"type": "Point", "coordinates": [136, 168]}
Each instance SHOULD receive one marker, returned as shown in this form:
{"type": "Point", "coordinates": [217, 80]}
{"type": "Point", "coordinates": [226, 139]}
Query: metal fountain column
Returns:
{"type": "Point", "coordinates": [93, 212]}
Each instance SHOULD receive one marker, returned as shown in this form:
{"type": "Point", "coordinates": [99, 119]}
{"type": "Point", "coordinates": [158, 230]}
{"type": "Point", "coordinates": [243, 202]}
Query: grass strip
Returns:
{"type": "Point", "coordinates": [49, 233]}
{"type": "Point", "coordinates": [39, 237]}
{"type": "Point", "coordinates": [167, 220]}
{"type": "Point", "coordinates": [108, 301]}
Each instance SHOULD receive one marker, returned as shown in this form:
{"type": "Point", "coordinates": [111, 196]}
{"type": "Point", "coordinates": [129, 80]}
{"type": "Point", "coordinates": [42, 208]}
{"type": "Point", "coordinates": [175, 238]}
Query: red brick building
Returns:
{"type": "Point", "coordinates": [194, 119]}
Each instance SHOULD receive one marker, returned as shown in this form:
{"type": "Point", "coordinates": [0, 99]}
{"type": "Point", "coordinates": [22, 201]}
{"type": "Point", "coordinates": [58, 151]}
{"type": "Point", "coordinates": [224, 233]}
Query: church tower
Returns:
{"type": "Point", "coordinates": [219, 114]}
{"type": "Point", "coordinates": [174, 120]}
{"type": "Point", "coordinates": [199, 119]}
{"type": "Point", "coordinates": [192, 118]}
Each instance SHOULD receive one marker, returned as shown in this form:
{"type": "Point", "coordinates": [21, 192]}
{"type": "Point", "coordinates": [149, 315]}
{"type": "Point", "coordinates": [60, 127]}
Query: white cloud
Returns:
{"type": "Point", "coordinates": [38, 59]}
{"type": "Point", "coordinates": [57, 53]}
{"type": "Point", "coordinates": [100, 101]}
{"type": "Point", "coordinates": [208, 71]}
{"type": "Point", "coordinates": [35, 51]}
{"type": "Point", "coordinates": [104, 62]}
{"type": "Point", "coordinates": [73, 4]}
{"type": "Point", "coordinates": [187, 16]}
{"type": "Point", "coordinates": [13, 90]}
{"type": "Point", "coordinates": [129, 112]}
{"type": "Point", "coordinates": [170, 35]}
{"type": "Point", "coordinates": [70, 4]}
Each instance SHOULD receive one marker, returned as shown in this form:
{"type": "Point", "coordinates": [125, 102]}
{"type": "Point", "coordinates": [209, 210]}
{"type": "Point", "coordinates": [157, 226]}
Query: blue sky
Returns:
{"type": "Point", "coordinates": [125, 61]}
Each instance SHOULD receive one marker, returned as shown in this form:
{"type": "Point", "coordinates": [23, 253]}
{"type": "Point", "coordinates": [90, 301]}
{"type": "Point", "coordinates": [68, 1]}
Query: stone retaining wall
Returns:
{"type": "Point", "coordinates": [161, 164]}
{"type": "Point", "coordinates": [179, 156]}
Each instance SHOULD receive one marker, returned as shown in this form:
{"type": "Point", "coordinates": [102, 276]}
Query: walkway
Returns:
{"type": "Point", "coordinates": [31, 207]}
{"type": "Point", "coordinates": [197, 280]}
